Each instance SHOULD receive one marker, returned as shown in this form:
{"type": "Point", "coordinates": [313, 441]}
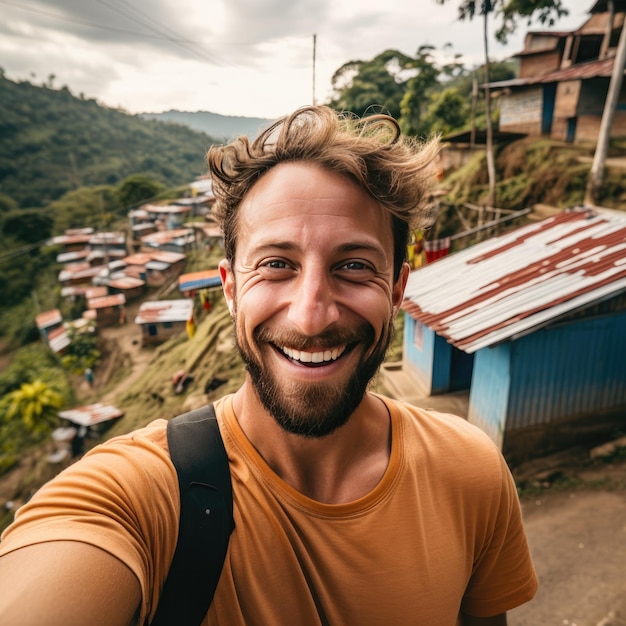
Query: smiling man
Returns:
{"type": "Point", "coordinates": [349, 507]}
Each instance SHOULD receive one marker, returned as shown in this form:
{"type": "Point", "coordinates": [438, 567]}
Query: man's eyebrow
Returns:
{"type": "Point", "coordinates": [288, 246]}
{"type": "Point", "coordinates": [356, 246]}
{"type": "Point", "coordinates": [274, 245]}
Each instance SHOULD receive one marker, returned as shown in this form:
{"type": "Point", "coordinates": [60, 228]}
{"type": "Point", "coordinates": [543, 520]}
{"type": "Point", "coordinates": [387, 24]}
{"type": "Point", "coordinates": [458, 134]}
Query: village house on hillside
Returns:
{"type": "Point", "coordinates": [533, 324]}
{"type": "Point", "coordinates": [564, 80]}
{"type": "Point", "coordinates": [161, 319]}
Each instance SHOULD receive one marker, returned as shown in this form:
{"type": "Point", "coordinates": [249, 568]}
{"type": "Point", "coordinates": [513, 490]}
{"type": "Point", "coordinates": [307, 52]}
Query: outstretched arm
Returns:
{"type": "Point", "coordinates": [66, 583]}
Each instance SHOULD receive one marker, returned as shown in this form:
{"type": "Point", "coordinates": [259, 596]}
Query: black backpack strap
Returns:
{"type": "Point", "coordinates": [206, 518]}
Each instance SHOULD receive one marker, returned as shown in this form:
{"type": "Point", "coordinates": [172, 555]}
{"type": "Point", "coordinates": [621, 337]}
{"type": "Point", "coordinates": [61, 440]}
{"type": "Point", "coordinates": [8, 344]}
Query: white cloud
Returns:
{"type": "Point", "coordinates": [236, 57]}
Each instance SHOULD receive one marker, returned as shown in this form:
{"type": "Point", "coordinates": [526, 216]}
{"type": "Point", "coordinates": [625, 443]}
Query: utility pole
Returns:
{"type": "Point", "coordinates": [314, 47]}
{"type": "Point", "coordinates": [596, 174]}
{"type": "Point", "coordinates": [473, 115]}
{"type": "Point", "coordinates": [491, 167]}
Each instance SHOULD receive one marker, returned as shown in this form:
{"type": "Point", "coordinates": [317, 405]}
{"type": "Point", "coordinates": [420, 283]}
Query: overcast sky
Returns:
{"type": "Point", "coordinates": [234, 57]}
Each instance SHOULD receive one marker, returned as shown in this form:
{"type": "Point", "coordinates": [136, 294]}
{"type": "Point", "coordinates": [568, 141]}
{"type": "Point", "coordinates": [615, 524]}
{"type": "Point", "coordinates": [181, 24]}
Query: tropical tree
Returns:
{"type": "Point", "coordinates": [37, 404]}
{"type": "Point", "coordinates": [446, 112]}
{"type": "Point", "coordinates": [395, 83]}
{"type": "Point", "coordinates": [419, 86]}
{"type": "Point", "coordinates": [362, 85]}
{"type": "Point", "coordinates": [85, 206]}
{"type": "Point", "coordinates": [82, 351]}
{"type": "Point", "coordinates": [138, 188]}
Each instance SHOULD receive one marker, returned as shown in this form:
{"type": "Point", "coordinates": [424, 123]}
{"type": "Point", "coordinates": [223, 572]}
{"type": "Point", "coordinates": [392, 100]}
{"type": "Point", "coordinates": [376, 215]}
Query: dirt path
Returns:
{"type": "Point", "coordinates": [578, 541]}
{"type": "Point", "coordinates": [127, 338]}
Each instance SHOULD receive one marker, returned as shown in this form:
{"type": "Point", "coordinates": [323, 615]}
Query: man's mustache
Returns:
{"type": "Point", "coordinates": [330, 338]}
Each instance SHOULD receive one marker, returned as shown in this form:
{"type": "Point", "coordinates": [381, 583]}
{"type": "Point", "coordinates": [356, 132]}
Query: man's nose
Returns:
{"type": "Point", "coordinates": [313, 304]}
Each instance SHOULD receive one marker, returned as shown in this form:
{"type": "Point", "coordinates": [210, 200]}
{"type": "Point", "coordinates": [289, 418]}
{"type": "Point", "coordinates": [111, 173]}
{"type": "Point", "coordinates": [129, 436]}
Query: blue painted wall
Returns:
{"type": "Point", "coordinates": [418, 348]}
{"type": "Point", "coordinates": [568, 370]}
{"type": "Point", "coordinates": [489, 394]}
{"type": "Point", "coordinates": [439, 366]}
{"type": "Point", "coordinates": [572, 369]}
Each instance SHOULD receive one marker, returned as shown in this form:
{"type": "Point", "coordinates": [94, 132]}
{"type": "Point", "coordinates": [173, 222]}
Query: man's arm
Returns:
{"type": "Point", "coordinates": [495, 620]}
{"type": "Point", "coordinates": [66, 583]}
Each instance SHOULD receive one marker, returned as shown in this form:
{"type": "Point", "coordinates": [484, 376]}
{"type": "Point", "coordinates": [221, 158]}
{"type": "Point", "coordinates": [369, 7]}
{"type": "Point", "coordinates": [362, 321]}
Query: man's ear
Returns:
{"type": "Point", "coordinates": [228, 284]}
{"type": "Point", "coordinates": [397, 293]}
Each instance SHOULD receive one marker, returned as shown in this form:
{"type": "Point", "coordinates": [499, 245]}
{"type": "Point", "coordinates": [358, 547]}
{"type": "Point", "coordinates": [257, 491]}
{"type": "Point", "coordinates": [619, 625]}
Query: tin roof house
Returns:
{"type": "Point", "coordinates": [564, 80]}
{"type": "Point", "coordinates": [155, 267]}
{"type": "Point", "coordinates": [161, 319]}
{"type": "Point", "coordinates": [52, 330]}
{"type": "Point", "coordinates": [533, 324]}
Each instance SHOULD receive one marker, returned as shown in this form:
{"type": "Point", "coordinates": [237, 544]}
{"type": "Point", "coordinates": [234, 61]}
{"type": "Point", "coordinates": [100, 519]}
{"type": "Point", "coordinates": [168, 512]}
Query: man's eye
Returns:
{"type": "Point", "coordinates": [355, 265]}
{"type": "Point", "coordinates": [275, 264]}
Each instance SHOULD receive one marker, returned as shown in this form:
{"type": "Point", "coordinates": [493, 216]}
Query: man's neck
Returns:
{"type": "Point", "coordinates": [341, 467]}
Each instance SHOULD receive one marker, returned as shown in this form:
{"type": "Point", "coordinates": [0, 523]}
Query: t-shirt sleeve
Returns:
{"type": "Point", "coordinates": [121, 497]}
{"type": "Point", "coordinates": [503, 574]}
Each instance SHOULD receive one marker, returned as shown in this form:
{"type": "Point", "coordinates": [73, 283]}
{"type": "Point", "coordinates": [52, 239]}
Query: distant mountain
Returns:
{"type": "Point", "coordinates": [52, 142]}
{"type": "Point", "coordinates": [223, 127]}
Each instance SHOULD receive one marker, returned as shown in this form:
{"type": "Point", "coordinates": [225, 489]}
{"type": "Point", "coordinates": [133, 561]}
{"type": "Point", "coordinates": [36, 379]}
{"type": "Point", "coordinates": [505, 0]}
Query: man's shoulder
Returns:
{"type": "Point", "coordinates": [440, 433]}
{"type": "Point", "coordinates": [153, 433]}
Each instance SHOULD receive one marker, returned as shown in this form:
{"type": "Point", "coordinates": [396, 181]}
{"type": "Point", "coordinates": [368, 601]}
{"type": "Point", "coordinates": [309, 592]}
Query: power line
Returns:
{"type": "Point", "coordinates": [23, 250]}
{"type": "Point", "coordinates": [63, 18]}
{"type": "Point", "coordinates": [160, 29]}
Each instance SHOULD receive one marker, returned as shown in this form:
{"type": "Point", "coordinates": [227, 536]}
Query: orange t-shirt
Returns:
{"type": "Point", "coordinates": [441, 532]}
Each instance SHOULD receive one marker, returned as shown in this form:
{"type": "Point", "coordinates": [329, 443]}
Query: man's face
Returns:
{"type": "Point", "coordinates": [312, 294]}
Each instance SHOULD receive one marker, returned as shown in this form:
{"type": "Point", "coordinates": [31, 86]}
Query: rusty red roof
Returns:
{"type": "Point", "coordinates": [159, 311]}
{"type": "Point", "coordinates": [592, 69]}
{"type": "Point", "coordinates": [510, 285]}
{"type": "Point", "coordinates": [126, 282]}
{"type": "Point", "coordinates": [48, 318]}
{"type": "Point", "coordinates": [116, 299]}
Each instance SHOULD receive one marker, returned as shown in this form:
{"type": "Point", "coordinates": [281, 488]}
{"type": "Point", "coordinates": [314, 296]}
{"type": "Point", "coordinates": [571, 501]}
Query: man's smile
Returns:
{"type": "Point", "coordinates": [313, 357]}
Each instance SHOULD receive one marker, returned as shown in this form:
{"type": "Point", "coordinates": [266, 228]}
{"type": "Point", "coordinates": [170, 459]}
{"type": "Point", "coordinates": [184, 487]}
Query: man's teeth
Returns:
{"type": "Point", "coordinates": [314, 357]}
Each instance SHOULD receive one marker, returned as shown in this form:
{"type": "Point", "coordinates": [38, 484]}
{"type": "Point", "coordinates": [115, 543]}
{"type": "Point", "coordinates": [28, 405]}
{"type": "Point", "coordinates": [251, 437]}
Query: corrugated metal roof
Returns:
{"type": "Point", "coordinates": [159, 311]}
{"type": "Point", "coordinates": [126, 282]}
{"type": "Point", "coordinates": [116, 299]}
{"type": "Point", "coordinates": [91, 414]}
{"type": "Point", "coordinates": [592, 69]}
{"type": "Point", "coordinates": [164, 256]}
{"type": "Point", "coordinates": [180, 235]}
{"type": "Point", "coordinates": [48, 318]}
{"type": "Point", "coordinates": [166, 208]}
{"type": "Point", "coordinates": [199, 280]}
{"type": "Point", "coordinates": [157, 266]}
{"type": "Point", "coordinates": [509, 285]}
{"type": "Point", "coordinates": [73, 257]}
{"type": "Point", "coordinates": [108, 239]}
{"type": "Point", "coordinates": [580, 71]}
{"type": "Point", "coordinates": [58, 339]}
{"type": "Point", "coordinates": [77, 271]}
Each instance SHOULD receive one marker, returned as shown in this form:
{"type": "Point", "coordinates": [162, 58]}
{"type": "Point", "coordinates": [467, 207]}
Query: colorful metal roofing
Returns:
{"type": "Point", "coordinates": [510, 285]}
{"type": "Point", "coordinates": [48, 318]}
{"type": "Point", "coordinates": [199, 280]}
{"type": "Point", "coordinates": [116, 299]}
{"type": "Point", "coordinates": [91, 414]}
{"type": "Point", "coordinates": [159, 311]}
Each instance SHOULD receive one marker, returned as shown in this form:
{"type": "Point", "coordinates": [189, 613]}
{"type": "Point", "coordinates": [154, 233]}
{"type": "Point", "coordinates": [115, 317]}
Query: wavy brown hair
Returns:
{"type": "Point", "coordinates": [394, 169]}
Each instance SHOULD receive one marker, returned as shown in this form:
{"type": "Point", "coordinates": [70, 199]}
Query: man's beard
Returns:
{"type": "Point", "coordinates": [314, 410]}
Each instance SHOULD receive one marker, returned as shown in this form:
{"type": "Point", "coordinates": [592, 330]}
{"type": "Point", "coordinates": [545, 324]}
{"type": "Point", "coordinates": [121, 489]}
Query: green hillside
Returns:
{"type": "Point", "coordinates": [52, 142]}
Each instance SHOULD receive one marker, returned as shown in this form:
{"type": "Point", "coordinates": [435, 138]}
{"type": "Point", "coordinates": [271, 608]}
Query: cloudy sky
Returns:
{"type": "Point", "coordinates": [234, 57]}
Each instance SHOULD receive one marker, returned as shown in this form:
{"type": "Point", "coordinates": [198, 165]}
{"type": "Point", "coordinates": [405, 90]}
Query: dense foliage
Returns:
{"type": "Point", "coordinates": [32, 389]}
{"type": "Point", "coordinates": [425, 93]}
{"type": "Point", "coordinates": [52, 142]}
